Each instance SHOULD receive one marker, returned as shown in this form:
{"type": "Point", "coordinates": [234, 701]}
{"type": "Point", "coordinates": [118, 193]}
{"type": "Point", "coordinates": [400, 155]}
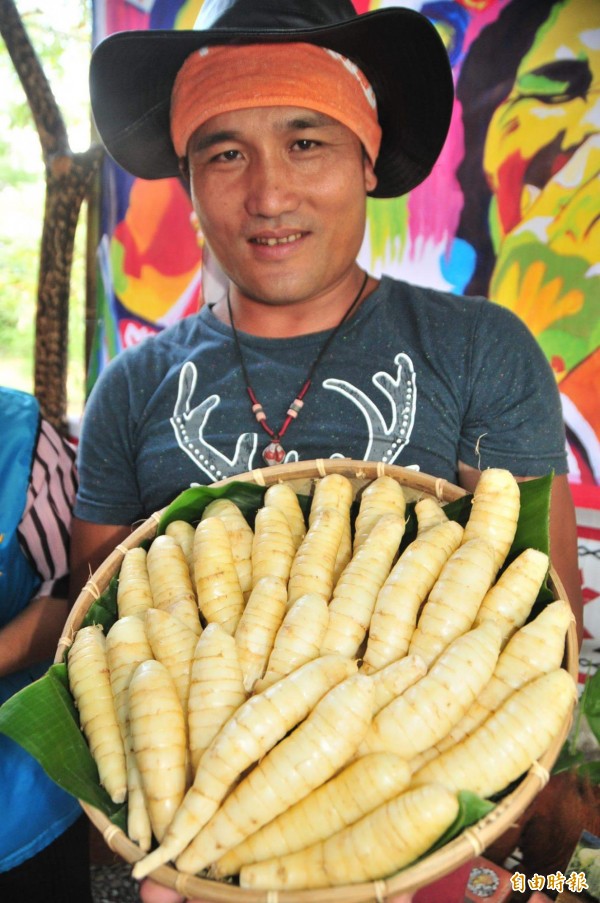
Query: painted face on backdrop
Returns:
{"type": "Point", "coordinates": [551, 112]}
{"type": "Point", "coordinates": [542, 160]}
{"type": "Point", "coordinates": [280, 194]}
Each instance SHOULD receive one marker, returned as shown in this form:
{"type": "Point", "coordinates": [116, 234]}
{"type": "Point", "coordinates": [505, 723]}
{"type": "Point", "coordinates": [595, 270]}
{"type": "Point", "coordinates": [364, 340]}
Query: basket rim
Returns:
{"type": "Point", "coordinates": [470, 843]}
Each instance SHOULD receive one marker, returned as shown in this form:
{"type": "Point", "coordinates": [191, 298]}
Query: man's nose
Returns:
{"type": "Point", "coordinates": [271, 188]}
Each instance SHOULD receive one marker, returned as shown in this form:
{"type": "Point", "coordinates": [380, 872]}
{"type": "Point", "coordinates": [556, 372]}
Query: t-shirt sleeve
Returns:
{"type": "Point", "coordinates": [44, 530]}
{"type": "Point", "coordinates": [108, 486]}
{"type": "Point", "coordinates": [514, 417]}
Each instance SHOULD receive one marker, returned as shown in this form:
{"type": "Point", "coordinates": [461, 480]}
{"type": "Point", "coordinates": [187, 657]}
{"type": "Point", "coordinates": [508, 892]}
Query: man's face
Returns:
{"type": "Point", "coordinates": [280, 196]}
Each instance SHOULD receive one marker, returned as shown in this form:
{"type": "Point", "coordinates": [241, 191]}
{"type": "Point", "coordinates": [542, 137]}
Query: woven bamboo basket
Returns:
{"type": "Point", "coordinates": [470, 843]}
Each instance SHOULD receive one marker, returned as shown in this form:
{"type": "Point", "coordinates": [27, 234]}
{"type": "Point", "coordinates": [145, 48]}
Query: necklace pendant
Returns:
{"type": "Point", "coordinates": [273, 453]}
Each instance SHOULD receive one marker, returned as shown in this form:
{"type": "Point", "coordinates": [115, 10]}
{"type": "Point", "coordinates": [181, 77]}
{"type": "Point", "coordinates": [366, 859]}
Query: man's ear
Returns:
{"type": "Point", "coordinates": [370, 177]}
{"type": "Point", "coordinates": [184, 173]}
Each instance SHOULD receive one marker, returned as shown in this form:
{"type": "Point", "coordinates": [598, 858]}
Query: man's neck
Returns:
{"type": "Point", "coordinates": [277, 321]}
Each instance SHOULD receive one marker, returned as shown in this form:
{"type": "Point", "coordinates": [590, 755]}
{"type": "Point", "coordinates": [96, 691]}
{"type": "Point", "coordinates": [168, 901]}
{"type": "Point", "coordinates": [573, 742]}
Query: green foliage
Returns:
{"type": "Point", "coordinates": [60, 32]}
{"type": "Point", "coordinates": [471, 808]}
{"type": "Point", "coordinates": [571, 757]}
{"type": "Point", "coordinates": [587, 860]}
{"type": "Point", "coordinates": [10, 172]}
{"type": "Point", "coordinates": [19, 279]}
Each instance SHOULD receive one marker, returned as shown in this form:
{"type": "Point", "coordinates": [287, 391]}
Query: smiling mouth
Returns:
{"type": "Point", "coordinates": [271, 242]}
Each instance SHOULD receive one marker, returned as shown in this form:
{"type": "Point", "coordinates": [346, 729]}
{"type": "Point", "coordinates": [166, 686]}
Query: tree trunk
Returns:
{"type": "Point", "coordinates": [69, 179]}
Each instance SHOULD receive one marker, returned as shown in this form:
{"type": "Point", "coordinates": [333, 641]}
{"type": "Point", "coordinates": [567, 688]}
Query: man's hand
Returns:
{"type": "Point", "coordinates": [155, 893]}
{"type": "Point", "coordinates": [91, 544]}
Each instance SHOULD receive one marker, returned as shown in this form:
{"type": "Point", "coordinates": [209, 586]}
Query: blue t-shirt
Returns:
{"type": "Point", "coordinates": [416, 377]}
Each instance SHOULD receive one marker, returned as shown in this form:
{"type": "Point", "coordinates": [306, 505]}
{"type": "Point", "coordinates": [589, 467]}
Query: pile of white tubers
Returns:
{"type": "Point", "coordinates": [299, 704]}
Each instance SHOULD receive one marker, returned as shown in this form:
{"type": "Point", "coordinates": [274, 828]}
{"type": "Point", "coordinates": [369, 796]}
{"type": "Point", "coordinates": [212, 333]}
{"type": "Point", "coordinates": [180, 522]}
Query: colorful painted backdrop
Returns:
{"type": "Point", "coordinates": [509, 212]}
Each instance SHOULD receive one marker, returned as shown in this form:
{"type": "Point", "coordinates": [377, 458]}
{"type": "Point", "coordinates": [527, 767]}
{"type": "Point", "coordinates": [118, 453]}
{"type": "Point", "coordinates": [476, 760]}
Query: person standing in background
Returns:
{"type": "Point", "coordinates": [44, 837]}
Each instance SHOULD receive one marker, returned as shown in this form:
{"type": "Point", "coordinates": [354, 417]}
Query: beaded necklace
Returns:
{"type": "Point", "coordinates": [274, 453]}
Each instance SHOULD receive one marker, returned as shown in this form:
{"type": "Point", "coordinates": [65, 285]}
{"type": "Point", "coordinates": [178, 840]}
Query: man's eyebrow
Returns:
{"type": "Point", "coordinates": [313, 120]}
{"type": "Point", "coordinates": [201, 142]}
{"type": "Point", "coordinates": [308, 121]}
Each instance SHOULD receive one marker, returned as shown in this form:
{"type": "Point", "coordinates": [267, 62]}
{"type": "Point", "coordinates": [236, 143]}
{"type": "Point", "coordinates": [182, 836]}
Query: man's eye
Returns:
{"type": "Point", "coordinates": [226, 155]}
{"type": "Point", "coordinates": [305, 144]}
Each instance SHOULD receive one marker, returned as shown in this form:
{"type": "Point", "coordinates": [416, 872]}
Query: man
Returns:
{"type": "Point", "coordinates": [279, 165]}
{"type": "Point", "coordinates": [282, 118]}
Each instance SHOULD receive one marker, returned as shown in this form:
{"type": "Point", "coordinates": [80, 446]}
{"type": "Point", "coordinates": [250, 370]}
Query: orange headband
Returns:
{"type": "Point", "coordinates": [220, 79]}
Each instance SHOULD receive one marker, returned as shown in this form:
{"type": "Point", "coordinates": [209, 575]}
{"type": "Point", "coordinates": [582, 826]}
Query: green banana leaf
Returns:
{"type": "Point", "coordinates": [571, 757]}
{"type": "Point", "coordinates": [471, 808]}
{"type": "Point", "coordinates": [190, 504]}
{"type": "Point", "coordinates": [43, 719]}
{"type": "Point", "coordinates": [590, 703]}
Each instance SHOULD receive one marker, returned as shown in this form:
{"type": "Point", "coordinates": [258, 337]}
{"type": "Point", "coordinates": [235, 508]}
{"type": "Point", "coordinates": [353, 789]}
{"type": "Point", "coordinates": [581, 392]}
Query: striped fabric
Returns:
{"type": "Point", "coordinates": [45, 525]}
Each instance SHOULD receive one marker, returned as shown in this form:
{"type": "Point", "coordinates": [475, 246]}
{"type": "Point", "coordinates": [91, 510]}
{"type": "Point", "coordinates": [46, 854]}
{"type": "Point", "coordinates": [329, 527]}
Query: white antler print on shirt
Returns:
{"type": "Point", "coordinates": [385, 441]}
{"type": "Point", "coordinates": [387, 433]}
{"type": "Point", "coordinates": [189, 423]}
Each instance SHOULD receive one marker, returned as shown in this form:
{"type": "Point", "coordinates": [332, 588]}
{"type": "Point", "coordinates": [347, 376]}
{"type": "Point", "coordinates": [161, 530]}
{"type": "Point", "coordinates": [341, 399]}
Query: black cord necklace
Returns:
{"type": "Point", "coordinates": [274, 452]}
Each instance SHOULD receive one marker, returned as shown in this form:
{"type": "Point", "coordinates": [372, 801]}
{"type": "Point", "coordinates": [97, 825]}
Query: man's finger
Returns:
{"type": "Point", "coordinates": [150, 892]}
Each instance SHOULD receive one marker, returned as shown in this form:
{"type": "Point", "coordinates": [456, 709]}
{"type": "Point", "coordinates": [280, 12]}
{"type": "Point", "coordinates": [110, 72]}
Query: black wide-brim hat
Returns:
{"type": "Point", "coordinates": [399, 50]}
